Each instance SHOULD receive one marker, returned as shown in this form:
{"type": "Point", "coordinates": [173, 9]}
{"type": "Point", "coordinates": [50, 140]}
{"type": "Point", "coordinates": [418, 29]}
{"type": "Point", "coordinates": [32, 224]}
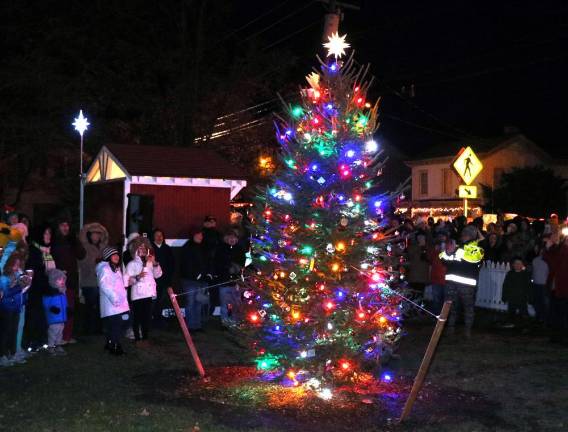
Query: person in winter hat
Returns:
{"type": "Point", "coordinates": [55, 304]}
{"type": "Point", "coordinates": [141, 275]}
{"type": "Point", "coordinates": [94, 238]}
{"type": "Point", "coordinates": [113, 299]}
{"type": "Point", "coordinates": [13, 287]}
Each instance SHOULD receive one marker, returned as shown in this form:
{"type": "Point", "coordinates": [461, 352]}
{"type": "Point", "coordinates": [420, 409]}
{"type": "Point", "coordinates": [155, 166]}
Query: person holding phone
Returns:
{"type": "Point", "coordinates": [141, 274]}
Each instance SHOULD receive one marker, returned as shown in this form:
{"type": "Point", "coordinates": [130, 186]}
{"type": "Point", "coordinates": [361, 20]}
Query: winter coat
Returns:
{"type": "Point", "coordinates": [55, 308]}
{"type": "Point", "coordinates": [419, 268]}
{"type": "Point", "coordinates": [165, 257]}
{"type": "Point", "coordinates": [437, 268]}
{"type": "Point", "coordinates": [211, 241]}
{"type": "Point", "coordinates": [146, 286]}
{"type": "Point", "coordinates": [516, 287]}
{"type": "Point", "coordinates": [113, 298]}
{"type": "Point", "coordinates": [39, 282]}
{"type": "Point", "coordinates": [193, 264]}
{"type": "Point", "coordinates": [88, 264]}
{"type": "Point", "coordinates": [462, 266]}
{"type": "Point", "coordinates": [13, 299]}
{"type": "Point", "coordinates": [557, 259]}
{"type": "Point", "coordinates": [229, 261]}
{"type": "Point", "coordinates": [66, 252]}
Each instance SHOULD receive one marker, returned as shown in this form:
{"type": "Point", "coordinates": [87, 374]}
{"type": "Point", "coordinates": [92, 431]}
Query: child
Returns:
{"type": "Point", "coordinates": [141, 274]}
{"type": "Point", "coordinates": [55, 304]}
{"type": "Point", "coordinates": [516, 287]}
{"type": "Point", "coordinates": [113, 299]}
{"type": "Point", "coordinates": [14, 284]}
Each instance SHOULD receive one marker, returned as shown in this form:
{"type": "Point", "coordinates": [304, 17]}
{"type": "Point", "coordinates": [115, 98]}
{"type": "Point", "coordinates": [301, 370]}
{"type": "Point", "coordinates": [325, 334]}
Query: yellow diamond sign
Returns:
{"type": "Point", "coordinates": [467, 192]}
{"type": "Point", "coordinates": [467, 165]}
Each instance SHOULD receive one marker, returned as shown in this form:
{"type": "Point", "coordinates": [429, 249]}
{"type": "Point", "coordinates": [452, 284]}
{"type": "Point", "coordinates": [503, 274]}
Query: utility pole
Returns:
{"type": "Point", "coordinates": [333, 16]}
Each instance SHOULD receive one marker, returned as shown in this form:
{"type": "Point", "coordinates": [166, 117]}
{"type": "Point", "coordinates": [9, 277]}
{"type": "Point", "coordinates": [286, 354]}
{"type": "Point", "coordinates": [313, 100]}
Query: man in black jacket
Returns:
{"type": "Point", "coordinates": [193, 270]}
{"type": "Point", "coordinates": [67, 251]}
{"type": "Point", "coordinates": [229, 259]}
{"type": "Point", "coordinates": [165, 257]}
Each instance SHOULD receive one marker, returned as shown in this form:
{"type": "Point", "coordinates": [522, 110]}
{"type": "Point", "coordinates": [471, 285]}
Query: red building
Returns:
{"type": "Point", "coordinates": [135, 188]}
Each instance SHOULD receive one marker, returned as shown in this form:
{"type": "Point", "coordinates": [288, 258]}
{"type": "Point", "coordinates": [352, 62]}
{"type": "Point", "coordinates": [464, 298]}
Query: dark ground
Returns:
{"type": "Point", "coordinates": [497, 381]}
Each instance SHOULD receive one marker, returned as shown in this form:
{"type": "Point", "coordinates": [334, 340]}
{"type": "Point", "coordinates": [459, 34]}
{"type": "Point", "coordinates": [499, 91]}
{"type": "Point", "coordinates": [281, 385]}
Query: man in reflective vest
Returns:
{"type": "Point", "coordinates": [462, 264]}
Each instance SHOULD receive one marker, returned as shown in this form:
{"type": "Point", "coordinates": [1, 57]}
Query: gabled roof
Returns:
{"type": "Point", "coordinates": [482, 147]}
{"type": "Point", "coordinates": [163, 161]}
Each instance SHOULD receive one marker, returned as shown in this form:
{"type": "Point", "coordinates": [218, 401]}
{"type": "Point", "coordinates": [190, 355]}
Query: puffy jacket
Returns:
{"type": "Point", "coordinates": [462, 266]}
{"type": "Point", "coordinates": [146, 286]}
{"type": "Point", "coordinates": [55, 308]}
{"type": "Point", "coordinates": [113, 298]}
{"type": "Point", "coordinates": [93, 253]}
{"type": "Point", "coordinates": [13, 299]}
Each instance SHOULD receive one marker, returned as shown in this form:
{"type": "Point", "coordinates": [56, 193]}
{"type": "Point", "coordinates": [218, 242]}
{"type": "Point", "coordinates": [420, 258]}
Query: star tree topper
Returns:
{"type": "Point", "coordinates": [336, 45]}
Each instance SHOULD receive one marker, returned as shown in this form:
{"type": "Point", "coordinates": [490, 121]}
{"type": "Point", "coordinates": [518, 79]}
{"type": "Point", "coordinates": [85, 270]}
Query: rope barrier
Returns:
{"type": "Point", "coordinates": [402, 297]}
{"type": "Point", "coordinates": [210, 286]}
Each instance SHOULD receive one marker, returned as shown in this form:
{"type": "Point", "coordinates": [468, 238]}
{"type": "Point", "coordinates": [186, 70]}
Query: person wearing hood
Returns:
{"type": "Point", "coordinates": [113, 299]}
{"type": "Point", "coordinates": [141, 275]}
{"type": "Point", "coordinates": [94, 239]}
{"type": "Point", "coordinates": [40, 261]}
{"type": "Point", "coordinates": [67, 250]}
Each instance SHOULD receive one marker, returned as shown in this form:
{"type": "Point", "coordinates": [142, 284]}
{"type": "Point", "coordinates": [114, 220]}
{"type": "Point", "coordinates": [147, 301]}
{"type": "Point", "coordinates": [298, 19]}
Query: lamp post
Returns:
{"type": "Point", "coordinates": [81, 124]}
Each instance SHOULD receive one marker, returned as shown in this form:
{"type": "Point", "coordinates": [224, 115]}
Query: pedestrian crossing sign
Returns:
{"type": "Point", "coordinates": [467, 192]}
{"type": "Point", "coordinates": [467, 165]}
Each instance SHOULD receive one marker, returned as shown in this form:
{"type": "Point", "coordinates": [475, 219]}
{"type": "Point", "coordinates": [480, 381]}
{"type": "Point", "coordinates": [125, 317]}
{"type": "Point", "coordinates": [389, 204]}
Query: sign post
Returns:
{"type": "Point", "coordinates": [468, 166]}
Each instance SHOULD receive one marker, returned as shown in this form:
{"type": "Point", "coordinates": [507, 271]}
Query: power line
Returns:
{"type": "Point", "coordinates": [291, 35]}
{"type": "Point", "coordinates": [284, 18]}
{"type": "Point", "coordinates": [258, 18]}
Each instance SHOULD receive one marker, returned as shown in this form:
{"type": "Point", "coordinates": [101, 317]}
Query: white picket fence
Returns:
{"type": "Point", "coordinates": [490, 286]}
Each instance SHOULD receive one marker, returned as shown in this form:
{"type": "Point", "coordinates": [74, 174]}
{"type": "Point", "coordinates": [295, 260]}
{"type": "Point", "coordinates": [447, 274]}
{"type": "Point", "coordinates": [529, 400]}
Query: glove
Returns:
{"type": "Point", "coordinates": [54, 309]}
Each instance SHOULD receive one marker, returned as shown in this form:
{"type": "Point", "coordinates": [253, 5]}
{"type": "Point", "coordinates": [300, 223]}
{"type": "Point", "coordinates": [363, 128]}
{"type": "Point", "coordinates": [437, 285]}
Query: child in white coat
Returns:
{"type": "Point", "coordinates": [141, 275]}
{"type": "Point", "coordinates": [113, 299]}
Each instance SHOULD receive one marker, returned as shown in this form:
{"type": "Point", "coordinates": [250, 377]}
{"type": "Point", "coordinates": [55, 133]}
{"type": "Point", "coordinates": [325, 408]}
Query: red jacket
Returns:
{"type": "Point", "coordinates": [557, 259]}
{"type": "Point", "coordinates": [437, 268]}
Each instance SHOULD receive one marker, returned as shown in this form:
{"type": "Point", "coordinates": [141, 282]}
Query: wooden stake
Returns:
{"type": "Point", "coordinates": [185, 332]}
{"type": "Point", "coordinates": [421, 376]}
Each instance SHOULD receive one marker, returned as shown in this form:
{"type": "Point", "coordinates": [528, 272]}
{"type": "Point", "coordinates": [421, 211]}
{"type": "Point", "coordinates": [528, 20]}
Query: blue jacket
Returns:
{"type": "Point", "coordinates": [13, 299]}
{"type": "Point", "coordinates": [55, 308]}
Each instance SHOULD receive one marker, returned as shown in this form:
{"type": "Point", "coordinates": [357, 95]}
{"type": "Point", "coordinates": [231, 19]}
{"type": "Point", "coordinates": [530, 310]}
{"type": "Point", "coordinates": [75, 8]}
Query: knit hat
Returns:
{"type": "Point", "coordinates": [54, 275]}
{"type": "Point", "coordinates": [132, 236]}
{"type": "Point", "coordinates": [108, 252]}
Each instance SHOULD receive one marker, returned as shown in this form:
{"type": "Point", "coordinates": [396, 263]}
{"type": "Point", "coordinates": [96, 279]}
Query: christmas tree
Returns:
{"type": "Point", "coordinates": [324, 303]}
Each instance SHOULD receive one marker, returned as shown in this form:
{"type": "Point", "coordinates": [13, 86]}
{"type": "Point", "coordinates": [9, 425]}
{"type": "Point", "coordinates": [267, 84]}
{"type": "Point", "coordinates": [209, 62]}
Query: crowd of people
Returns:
{"type": "Point", "coordinates": [445, 256]}
{"type": "Point", "coordinates": [117, 293]}
{"type": "Point", "coordinates": [124, 293]}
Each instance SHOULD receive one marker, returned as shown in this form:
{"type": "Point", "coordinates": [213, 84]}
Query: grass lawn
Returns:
{"type": "Point", "coordinates": [496, 381]}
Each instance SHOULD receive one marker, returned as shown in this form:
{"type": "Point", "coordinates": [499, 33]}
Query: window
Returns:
{"type": "Point", "coordinates": [423, 185]}
{"type": "Point", "coordinates": [446, 181]}
{"type": "Point", "coordinates": [497, 174]}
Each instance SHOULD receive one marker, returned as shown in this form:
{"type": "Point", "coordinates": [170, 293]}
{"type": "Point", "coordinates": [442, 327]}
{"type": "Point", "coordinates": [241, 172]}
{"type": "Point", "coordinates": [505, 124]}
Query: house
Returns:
{"type": "Point", "coordinates": [435, 184]}
{"type": "Point", "coordinates": [134, 188]}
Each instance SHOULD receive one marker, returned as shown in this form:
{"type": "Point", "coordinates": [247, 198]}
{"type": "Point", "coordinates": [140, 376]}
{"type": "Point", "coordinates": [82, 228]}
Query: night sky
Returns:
{"type": "Point", "coordinates": [476, 66]}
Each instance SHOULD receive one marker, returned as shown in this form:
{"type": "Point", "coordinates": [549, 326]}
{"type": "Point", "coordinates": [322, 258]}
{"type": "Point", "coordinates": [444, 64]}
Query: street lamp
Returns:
{"type": "Point", "coordinates": [81, 124]}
